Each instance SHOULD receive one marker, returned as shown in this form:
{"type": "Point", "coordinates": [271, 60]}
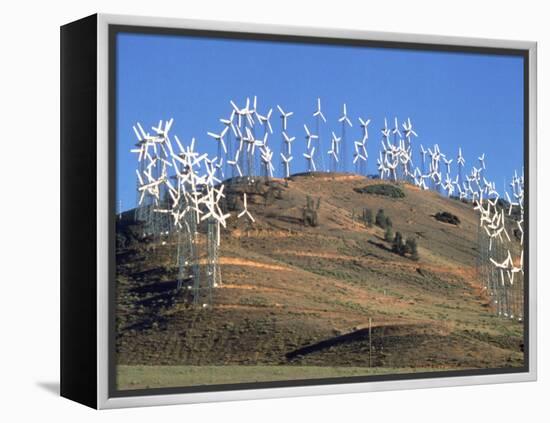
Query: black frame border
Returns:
{"type": "Point", "coordinates": [78, 211]}
{"type": "Point", "coordinates": [115, 29]}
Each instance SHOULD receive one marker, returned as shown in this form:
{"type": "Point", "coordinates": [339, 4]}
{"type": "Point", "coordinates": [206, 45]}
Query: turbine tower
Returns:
{"type": "Point", "coordinates": [460, 162]}
{"type": "Point", "coordinates": [318, 115]}
{"type": "Point", "coordinates": [344, 120]}
{"type": "Point", "coordinates": [284, 135]}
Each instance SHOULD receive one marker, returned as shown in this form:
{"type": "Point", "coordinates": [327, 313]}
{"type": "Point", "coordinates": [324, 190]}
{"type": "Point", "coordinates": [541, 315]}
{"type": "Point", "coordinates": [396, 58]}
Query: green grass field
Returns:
{"type": "Point", "coordinates": [139, 377]}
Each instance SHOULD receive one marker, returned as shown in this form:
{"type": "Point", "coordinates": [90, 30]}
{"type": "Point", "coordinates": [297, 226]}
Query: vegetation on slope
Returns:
{"type": "Point", "coordinates": [387, 190]}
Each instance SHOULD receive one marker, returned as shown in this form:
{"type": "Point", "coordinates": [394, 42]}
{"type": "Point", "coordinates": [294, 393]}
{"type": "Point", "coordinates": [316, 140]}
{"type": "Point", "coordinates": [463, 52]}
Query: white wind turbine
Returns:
{"type": "Point", "coordinates": [318, 112]}
{"type": "Point", "coordinates": [408, 129]}
{"type": "Point", "coordinates": [382, 168]}
{"type": "Point", "coordinates": [240, 112]}
{"type": "Point", "coordinates": [265, 121]}
{"type": "Point", "coordinates": [288, 142]}
{"type": "Point", "coordinates": [229, 124]}
{"type": "Point", "coordinates": [460, 163]}
{"type": "Point", "coordinates": [365, 125]}
{"type": "Point", "coordinates": [245, 210]}
{"type": "Point", "coordinates": [284, 116]}
{"type": "Point", "coordinates": [448, 164]}
{"type": "Point", "coordinates": [409, 133]}
{"type": "Point", "coordinates": [310, 160]}
{"type": "Point", "coordinates": [318, 115]}
{"type": "Point", "coordinates": [344, 120]}
{"type": "Point", "coordinates": [285, 139]}
{"type": "Point", "coordinates": [286, 164]}
{"type": "Point", "coordinates": [309, 136]}
{"type": "Point", "coordinates": [266, 157]}
{"type": "Point", "coordinates": [423, 152]}
{"type": "Point", "coordinates": [363, 145]}
{"type": "Point", "coordinates": [235, 163]}
{"type": "Point", "coordinates": [286, 158]}
{"type": "Point", "coordinates": [395, 131]}
{"type": "Point", "coordinates": [219, 138]}
{"type": "Point", "coordinates": [333, 155]}
{"type": "Point", "coordinates": [385, 132]}
{"type": "Point", "coordinates": [358, 158]}
{"type": "Point", "coordinates": [482, 164]}
{"type": "Point", "coordinates": [334, 151]}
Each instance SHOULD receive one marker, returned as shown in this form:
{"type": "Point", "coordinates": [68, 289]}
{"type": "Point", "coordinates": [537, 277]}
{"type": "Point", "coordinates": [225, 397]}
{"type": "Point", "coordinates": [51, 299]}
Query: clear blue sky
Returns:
{"type": "Point", "coordinates": [454, 99]}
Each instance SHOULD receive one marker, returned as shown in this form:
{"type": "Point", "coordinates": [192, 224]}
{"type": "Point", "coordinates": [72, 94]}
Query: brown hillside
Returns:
{"type": "Point", "coordinates": [295, 294]}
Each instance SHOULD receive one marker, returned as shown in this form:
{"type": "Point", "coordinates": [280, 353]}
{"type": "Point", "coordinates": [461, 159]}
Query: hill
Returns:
{"type": "Point", "coordinates": [297, 295]}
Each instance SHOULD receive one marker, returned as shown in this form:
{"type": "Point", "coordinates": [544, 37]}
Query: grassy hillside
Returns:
{"type": "Point", "coordinates": [295, 295]}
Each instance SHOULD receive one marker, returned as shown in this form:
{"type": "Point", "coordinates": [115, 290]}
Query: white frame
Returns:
{"type": "Point", "coordinates": [103, 401]}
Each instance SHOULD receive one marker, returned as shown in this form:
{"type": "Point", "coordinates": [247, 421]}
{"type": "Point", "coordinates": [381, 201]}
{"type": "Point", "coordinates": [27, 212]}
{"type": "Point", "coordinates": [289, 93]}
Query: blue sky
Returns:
{"type": "Point", "coordinates": [453, 99]}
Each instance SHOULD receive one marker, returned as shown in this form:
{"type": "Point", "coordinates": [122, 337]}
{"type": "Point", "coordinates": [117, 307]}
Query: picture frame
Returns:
{"type": "Point", "coordinates": [89, 130]}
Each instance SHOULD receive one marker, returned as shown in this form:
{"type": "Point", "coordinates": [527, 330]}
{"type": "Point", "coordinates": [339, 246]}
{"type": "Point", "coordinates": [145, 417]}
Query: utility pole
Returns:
{"type": "Point", "coordinates": [370, 342]}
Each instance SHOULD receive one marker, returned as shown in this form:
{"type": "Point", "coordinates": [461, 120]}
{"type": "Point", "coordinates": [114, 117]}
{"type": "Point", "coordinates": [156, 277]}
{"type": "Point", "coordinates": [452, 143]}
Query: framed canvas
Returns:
{"type": "Point", "coordinates": [255, 211]}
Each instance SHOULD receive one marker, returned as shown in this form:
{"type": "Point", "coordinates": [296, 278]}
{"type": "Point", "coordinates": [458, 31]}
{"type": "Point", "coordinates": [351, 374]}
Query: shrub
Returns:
{"type": "Point", "coordinates": [309, 213]}
{"type": "Point", "coordinates": [382, 189]}
{"type": "Point", "coordinates": [367, 217]}
{"type": "Point", "coordinates": [398, 244]}
{"type": "Point", "coordinates": [447, 218]}
{"type": "Point", "coordinates": [380, 219]}
{"type": "Point", "coordinates": [388, 236]}
{"type": "Point", "coordinates": [411, 248]}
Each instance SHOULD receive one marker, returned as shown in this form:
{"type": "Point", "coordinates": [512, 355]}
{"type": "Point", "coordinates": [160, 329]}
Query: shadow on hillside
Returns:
{"type": "Point", "coordinates": [358, 335]}
{"type": "Point", "coordinates": [288, 219]}
{"type": "Point", "coordinates": [379, 245]}
{"type": "Point", "coordinates": [156, 287]}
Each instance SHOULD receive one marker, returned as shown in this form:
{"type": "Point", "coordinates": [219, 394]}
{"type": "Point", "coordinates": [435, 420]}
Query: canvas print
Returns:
{"type": "Point", "coordinates": [292, 210]}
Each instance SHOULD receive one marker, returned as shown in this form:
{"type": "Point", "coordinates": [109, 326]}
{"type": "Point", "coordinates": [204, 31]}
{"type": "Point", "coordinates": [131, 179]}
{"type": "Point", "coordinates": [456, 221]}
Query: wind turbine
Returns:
{"type": "Point", "coordinates": [482, 164]}
{"type": "Point", "coordinates": [423, 152]}
{"type": "Point", "coordinates": [286, 164]}
{"type": "Point", "coordinates": [408, 129]}
{"type": "Point", "coordinates": [288, 142]}
{"type": "Point", "coordinates": [344, 120]}
{"type": "Point", "coordinates": [310, 160]}
{"type": "Point", "coordinates": [460, 163]}
{"type": "Point", "coordinates": [287, 146]}
{"type": "Point", "coordinates": [318, 114]}
{"type": "Point", "coordinates": [219, 138]}
{"type": "Point", "coordinates": [309, 136]}
{"type": "Point", "coordinates": [266, 156]}
{"type": "Point", "coordinates": [229, 124]}
{"type": "Point", "coordinates": [240, 112]}
{"type": "Point", "coordinates": [265, 121]}
{"type": "Point", "coordinates": [284, 116]}
{"type": "Point", "coordinates": [365, 125]}
{"type": "Point", "coordinates": [284, 122]}
{"type": "Point", "coordinates": [395, 131]}
{"type": "Point", "coordinates": [448, 164]}
{"type": "Point", "coordinates": [235, 164]}
{"type": "Point", "coordinates": [358, 158]}
{"type": "Point", "coordinates": [245, 210]}
{"type": "Point", "coordinates": [334, 151]}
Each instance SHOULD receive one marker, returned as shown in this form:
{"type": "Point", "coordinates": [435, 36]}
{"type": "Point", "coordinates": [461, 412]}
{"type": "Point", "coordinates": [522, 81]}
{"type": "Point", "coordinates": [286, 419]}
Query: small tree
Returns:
{"type": "Point", "coordinates": [380, 219]}
{"type": "Point", "coordinates": [367, 217]}
{"type": "Point", "coordinates": [269, 197]}
{"type": "Point", "coordinates": [412, 248]}
{"type": "Point", "coordinates": [309, 213]}
{"type": "Point", "coordinates": [398, 244]}
{"type": "Point", "coordinates": [309, 202]}
{"type": "Point", "coordinates": [388, 222]}
{"type": "Point", "coordinates": [388, 236]}
{"type": "Point", "coordinates": [258, 186]}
